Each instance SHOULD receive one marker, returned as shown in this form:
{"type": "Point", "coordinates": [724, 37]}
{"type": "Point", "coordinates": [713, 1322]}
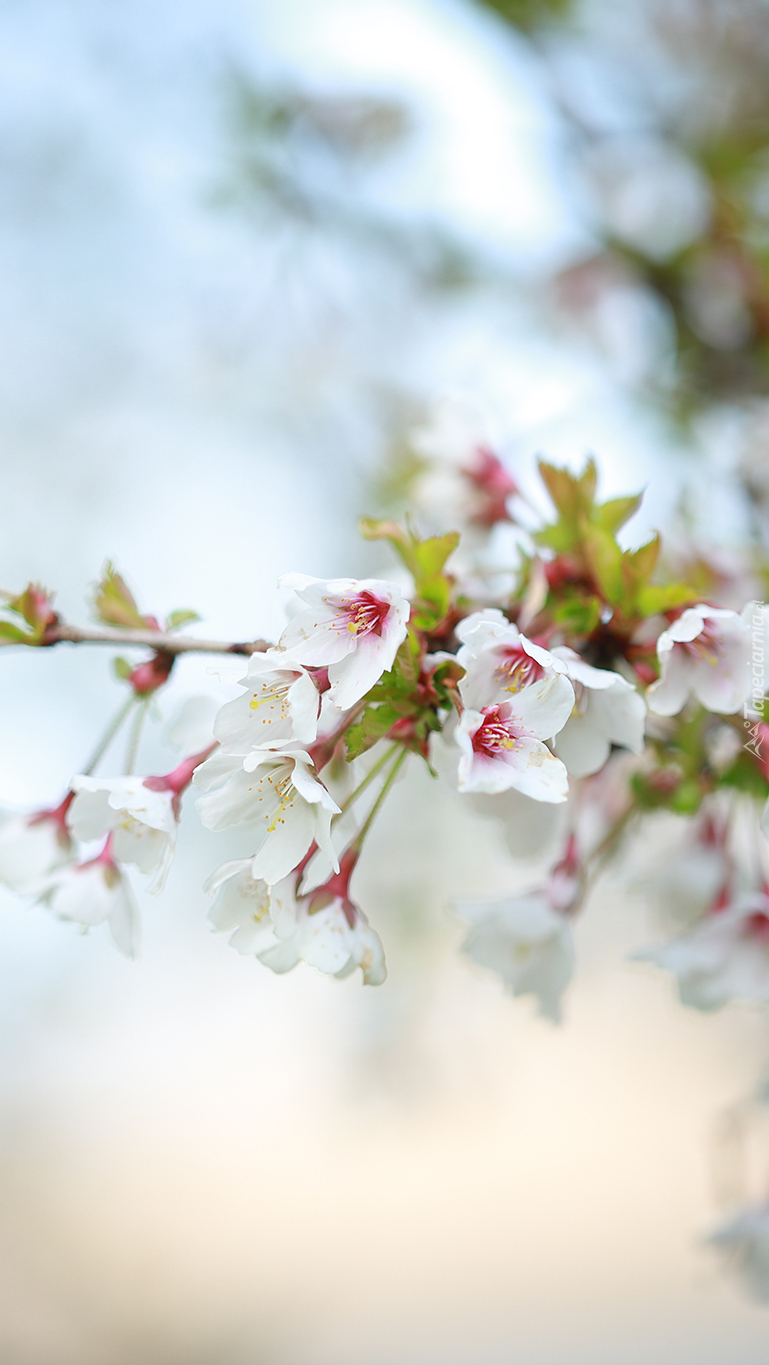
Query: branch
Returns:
{"type": "Point", "coordinates": [156, 639]}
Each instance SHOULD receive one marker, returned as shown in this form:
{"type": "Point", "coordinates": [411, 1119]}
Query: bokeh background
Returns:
{"type": "Point", "coordinates": [244, 247]}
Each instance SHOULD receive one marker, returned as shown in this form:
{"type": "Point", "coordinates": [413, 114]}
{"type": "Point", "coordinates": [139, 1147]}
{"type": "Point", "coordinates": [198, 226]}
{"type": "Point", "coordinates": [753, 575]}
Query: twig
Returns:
{"type": "Point", "coordinates": [154, 639]}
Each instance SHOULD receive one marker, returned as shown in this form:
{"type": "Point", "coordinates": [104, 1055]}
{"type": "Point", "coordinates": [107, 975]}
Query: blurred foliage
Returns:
{"type": "Point", "coordinates": [529, 14]}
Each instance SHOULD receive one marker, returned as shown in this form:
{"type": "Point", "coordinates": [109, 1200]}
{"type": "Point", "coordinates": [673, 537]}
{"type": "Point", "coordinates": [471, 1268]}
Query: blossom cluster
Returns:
{"type": "Point", "coordinates": [596, 682]}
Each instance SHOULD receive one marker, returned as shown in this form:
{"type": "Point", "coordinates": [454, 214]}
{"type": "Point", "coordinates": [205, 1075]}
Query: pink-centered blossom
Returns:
{"type": "Point", "coordinates": [502, 744]}
{"type": "Point", "coordinates": [705, 654]}
{"type": "Point", "coordinates": [498, 660]}
{"type": "Point", "coordinates": [279, 791]}
{"type": "Point", "coordinates": [353, 627]}
{"type": "Point", "coordinates": [466, 481]}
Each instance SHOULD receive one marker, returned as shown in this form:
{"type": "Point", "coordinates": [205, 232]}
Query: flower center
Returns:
{"type": "Point", "coordinates": [704, 648]}
{"type": "Point", "coordinates": [516, 669]}
{"type": "Point", "coordinates": [363, 614]}
{"type": "Point", "coordinates": [496, 735]}
{"type": "Point", "coordinates": [272, 693]}
{"type": "Point", "coordinates": [492, 481]}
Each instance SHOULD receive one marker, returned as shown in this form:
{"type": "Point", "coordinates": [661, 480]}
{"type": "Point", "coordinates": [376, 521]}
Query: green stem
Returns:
{"type": "Point", "coordinates": [135, 736]}
{"type": "Point", "coordinates": [370, 775]}
{"type": "Point", "coordinates": [109, 735]}
{"type": "Point", "coordinates": [601, 854]}
{"type": "Point", "coordinates": [357, 842]}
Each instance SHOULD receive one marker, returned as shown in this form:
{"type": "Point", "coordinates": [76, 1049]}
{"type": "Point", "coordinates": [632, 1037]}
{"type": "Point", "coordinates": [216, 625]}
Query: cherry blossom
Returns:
{"type": "Point", "coordinates": [280, 706]}
{"type": "Point", "coordinates": [498, 660]}
{"type": "Point", "coordinates": [705, 653]}
{"type": "Point", "coordinates": [353, 627]}
{"type": "Point", "coordinates": [723, 957]}
{"type": "Point", "coordinates": [280, 792]}
{"type": "Point", "coordinates": [142, 821]}
{"type": "Point", "coordinates": [527, 941]}
{"type": "Point", "coordinates": [607, 710]}
{"type": "Point", "coordinates": [322, 928]}
{"type": "Point", "coordinates": [466, 479]}
{"type": "Point", "coordinates": [502, 745]}
{"type": "Point", "coordinates": [94, 892]}
{"type": "Point", "coordinates": [33, 845]}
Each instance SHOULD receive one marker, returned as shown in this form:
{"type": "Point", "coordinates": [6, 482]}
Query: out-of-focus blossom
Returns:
{"type": "Point", "coordinates": [607, 710]}
{"type": "Point", "coordinates": [723, 957]}
{"type": "Point", "coordinates": [279, 791]}
{"type": "Point", "coordinates": [527, 941]}
{"type": "Point", "coordinates": [744, 1240]}
{"type": "Point", "coordinates": [704, 653]}
{"type": "Point", "coordinates": [465, 482]}
{"type": "Point", "coordinates": [353, 627]}
{"type": "Point", "coordinates": [33, 845]}
{"type": "Point", "coordinates": [502, 745]}
{"type": "Point", "coordinates": [280, 706]}
{"type": "Point", "coordinates": [192, 726]}
{"type": "Point", "coordinates": [498, 660]}
{"type": "Point", "coordinates": [142, 821]}
{"type": "Point", "coordinates": [94, 892]}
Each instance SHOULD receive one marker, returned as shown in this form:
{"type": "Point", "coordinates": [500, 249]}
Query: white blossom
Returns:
{"type": "Point", "coordinates": [502, 745]}
{"type": "Point", "coordinates": [142, 821]}
{"type": "Point", "coordinates": [90, 893]}
{"type": "Point", "coordinates": [723, 957]}
{"type": "Point", "coordinates": [527, 941]}
{"type": "Point", "coordinates": [705, 653]}
{"type": "Point", "coordinates": [353, 627]}
{"type": "Point", "coordinates": [744, 1240]}
{"type": "Point", "coordinates": [31, 846]}
{"type": "Point", "coordinates": [466, 482]}
{"type": "Point", "coordinates": [607, 710]}
{"type": "Point", "coordinates": [283, 929]}
{"type": "Point", "coordinates": [498, 660]}
{"type": "Point", "coordinates": [280, 791]}
{"type": "Point", "coordinates": [280, 706]}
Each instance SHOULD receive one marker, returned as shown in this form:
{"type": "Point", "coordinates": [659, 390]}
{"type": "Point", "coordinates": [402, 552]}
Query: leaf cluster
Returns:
{"type": "Point", "coordinates": [33, 607]}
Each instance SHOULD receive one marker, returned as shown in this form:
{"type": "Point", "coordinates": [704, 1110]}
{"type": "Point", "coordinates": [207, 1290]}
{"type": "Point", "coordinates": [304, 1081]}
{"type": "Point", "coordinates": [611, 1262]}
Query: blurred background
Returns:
{"type": "Point", "coordinates": [244, 248]}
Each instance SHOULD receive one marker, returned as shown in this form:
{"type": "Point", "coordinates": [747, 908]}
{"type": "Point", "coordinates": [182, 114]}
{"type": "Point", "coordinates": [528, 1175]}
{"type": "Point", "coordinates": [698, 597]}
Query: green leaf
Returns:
{"type": "Point", "coordinates": [431, 554]}
{"type": "Point", "coordinates": [604, 557]}
{"type": "Point", "coordinates": [181, 618]}
{"type": "Point", "coordinates": [643, 561]}
{"type": "Point", "coordinates": [655, 598]}
{"type": "Point", "coordinates": [614, 513]}
{"type": "Point", "coordinates": [579, 615]}
{"type": "Point", "coordinates": [122, 669]}
{"type": "Point", "coordinates": [373, 725]}
{"type": "Point", "coordinates": [12, 635]}
{"type": "Point", "coordinates": [114, 602]}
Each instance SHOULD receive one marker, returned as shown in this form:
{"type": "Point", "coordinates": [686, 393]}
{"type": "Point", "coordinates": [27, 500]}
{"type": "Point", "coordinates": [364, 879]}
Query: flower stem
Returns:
{"type": "Point", "coordinates": [108, 736]}
{"type": "Point", "coordinates": [370, 775]}
{"type": "Point", "coordinates": [391, 776]}
{"type": "Point", "coordinates": [135, 736]}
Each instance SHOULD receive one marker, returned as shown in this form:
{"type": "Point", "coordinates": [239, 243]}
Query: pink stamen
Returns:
{"type": "Point", "coordinates": [494, 482]}
{"type": "Point", "coordinates": [496, 735]}
{"type": "Point", "coordinates": [363, 614]}
{"type": "Point", "coordinates": [518, 668]}
{"type": "Point", "coordinates": [705, 647]}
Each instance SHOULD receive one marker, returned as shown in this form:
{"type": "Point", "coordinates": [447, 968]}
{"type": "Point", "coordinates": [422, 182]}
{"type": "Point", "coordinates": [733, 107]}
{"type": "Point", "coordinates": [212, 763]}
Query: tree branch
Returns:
{"type": "Point", "coordinates": [154, 639]}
